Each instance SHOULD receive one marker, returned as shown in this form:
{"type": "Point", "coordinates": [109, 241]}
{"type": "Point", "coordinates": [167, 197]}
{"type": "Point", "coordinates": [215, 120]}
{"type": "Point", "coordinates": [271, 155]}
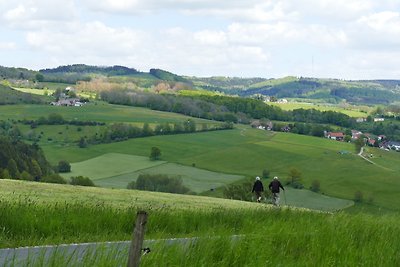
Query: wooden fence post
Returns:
{"type": "Point", "coordinates": [135, 250]}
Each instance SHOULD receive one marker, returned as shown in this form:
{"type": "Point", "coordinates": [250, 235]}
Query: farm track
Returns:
{"type": "Point", "coordinates": [370, 161]}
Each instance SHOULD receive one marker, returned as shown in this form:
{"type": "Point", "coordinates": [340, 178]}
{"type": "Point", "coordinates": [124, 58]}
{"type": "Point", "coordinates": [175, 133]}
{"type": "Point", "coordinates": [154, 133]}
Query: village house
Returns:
{"type": "Point", "coordinates": [338, 136]}
{"type": "Point", "coordinates": [393, 145]}
{"type": "Point", "coordinates": [70, 102]}
{"type": "Point", "coordinates": [355, 134]}
{"type": "Point", "coordinates": [379, 119]}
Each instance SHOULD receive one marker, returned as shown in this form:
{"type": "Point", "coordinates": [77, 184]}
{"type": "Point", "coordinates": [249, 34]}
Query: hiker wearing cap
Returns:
{"type": "Point", "coordinates": [274, 186]}
{"type": "Point", "coordinates": [258, 188]}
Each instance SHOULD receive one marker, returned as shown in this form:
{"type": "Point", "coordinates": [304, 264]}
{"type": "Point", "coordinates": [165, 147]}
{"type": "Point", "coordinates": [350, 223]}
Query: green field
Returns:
{"type": "Point", "coordinates": [227, 232]}
{"type": "Point", "coordinates": [114, 170]}
{"type": "Point", "coordinates": [352, 111]}
{"type": "Point", "coordinates": [245, 151]}
{"type": "Point", "coordinates": [109, 165]}
{"type": "Point", "coordinates": [35, 91]}
{"type": "Point", "coordinates": [97, 111]}
{"type": "Point", "coordinates": [242, 152]}
{"type": "Point", "coordinates": [195, 179]}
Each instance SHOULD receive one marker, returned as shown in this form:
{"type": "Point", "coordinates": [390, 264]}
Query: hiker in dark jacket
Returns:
{"type": "Point", "coordinates": [258, 188]}
{"type": "Point", "coordinates": [274, 186]}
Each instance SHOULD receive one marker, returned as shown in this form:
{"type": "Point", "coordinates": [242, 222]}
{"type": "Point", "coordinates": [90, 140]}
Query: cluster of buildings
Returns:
{"type": "Point", "coordinates": [65, 100]}
{"type": "Point", "coordinates": [371, 140]}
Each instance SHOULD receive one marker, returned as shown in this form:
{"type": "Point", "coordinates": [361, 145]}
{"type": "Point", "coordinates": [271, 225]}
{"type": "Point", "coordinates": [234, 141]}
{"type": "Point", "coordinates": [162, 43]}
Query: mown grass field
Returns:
{"type": "Point", "coordinates": [197, 180]}
{"type": "Point", "coordinates": [36, 214]}
{"type": "Point", "coordinates": [109, 165]}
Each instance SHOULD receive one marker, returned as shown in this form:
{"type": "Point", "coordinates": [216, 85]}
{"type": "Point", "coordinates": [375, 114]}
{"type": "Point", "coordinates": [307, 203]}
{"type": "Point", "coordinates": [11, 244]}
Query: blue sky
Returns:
{"type": "Point", "coordinates": [344, 39]}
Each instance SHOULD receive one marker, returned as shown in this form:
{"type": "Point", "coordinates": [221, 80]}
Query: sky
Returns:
{"type": "Point", "coordinates": [343, 39]}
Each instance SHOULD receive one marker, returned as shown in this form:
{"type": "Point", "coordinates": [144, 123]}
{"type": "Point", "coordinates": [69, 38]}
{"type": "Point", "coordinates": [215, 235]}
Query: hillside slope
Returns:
{"type": "Point", "coordinates": [9, 95]}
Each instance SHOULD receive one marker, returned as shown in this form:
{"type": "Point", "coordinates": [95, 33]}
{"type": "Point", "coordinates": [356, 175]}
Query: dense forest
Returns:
{"type": "Point", "coordinates": [22, 161]}
{"type": "Point", "coordinates": [82, 68]}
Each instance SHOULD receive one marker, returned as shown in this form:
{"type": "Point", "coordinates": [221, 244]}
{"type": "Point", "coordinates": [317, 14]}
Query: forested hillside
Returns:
{"type": "Point", "coordinates": [311, 89]}
{"type": "Point", "coordinates": [326, 90]}
{"type": "Point", "coordinates": [22, 161]}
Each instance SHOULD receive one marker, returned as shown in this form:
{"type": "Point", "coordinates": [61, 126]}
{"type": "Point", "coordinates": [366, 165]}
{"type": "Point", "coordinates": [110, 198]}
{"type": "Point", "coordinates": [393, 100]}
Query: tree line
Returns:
{"type": "Point", "coordinates": [121, 131]}
{"type": "Point", "coordinates": [224, 108]}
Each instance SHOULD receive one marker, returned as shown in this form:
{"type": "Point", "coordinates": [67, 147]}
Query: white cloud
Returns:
{"type": "Point", "coordinates": [95, 39]}
{"type": "Point", "coordinates": [208, 37]}
{"type": "Point", "coordinates": [37, 13]}
{"type": "Point", "coordinates": [8, 46]}
{"type": "Point", "coordinates": [386, 22]}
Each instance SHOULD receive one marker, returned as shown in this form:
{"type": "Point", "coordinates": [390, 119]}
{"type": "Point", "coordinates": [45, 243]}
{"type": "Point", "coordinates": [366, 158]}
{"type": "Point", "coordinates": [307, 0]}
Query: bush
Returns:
{"type": "Point", "coordinates": [131, 185]}
{"type": "Point", "coordinates": [54, 179]}
{"type": "Point", "coordinates": [155, 153]}
{"type": "Point", "coordinates": [81, 180]}
{"type": "Point", "coordinates": [63, 166]}
{"type": "Point", "coordinates": [241, 191]}
{"type": "Point", "coordinates": [358, 196]}
{"type": "Point", "coordinates": [26, 176]}
{"type": "Point", "coordinates": [265, 173]}
{"type": "Point", "coordinates": [315, 186]}
{"type": "Point", "coordinates": [159, 183]}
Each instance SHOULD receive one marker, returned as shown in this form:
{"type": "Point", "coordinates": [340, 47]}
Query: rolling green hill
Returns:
{"type": "Point", "coordinates": [222, 231]}
{"type": "Point", "coordinates": [11, 96]}
{"type": "Point", "coordinates": [245, 151]}
{"type": "Point", "coordinates": [323, 90]}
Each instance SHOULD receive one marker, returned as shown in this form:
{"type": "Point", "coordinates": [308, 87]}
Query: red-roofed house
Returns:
{"type": "Point", "coordinates": [338, 136]}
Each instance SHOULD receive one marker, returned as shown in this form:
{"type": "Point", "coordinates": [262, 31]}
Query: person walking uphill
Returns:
{"type": "Point", "coordinates": [274, 186]}
{"type": "Point", "coordinates": [258, 188]}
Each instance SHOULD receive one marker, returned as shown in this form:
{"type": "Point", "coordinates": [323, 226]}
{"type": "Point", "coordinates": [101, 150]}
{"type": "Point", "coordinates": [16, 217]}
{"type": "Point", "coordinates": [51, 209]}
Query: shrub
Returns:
{"type": "Point", "coordinates": [155, 153]}
{"type": "Point", "coordinates": [81, 180]}
{"type": "Point", "coordinates": [63, 166]}
{"type": "Point", "coordinates": [315, 186]}
{"type": "Point", "coordinates": [160, 183]}
{"type": "Point", "coordinates": [358, 196]}
{"type": "Point", "coordinates": [131, 185]}
{"type": "Point", "coordinates": [265, 173]}
{"type": "Point", "coordinates": [26, 176]}
{"type": "Point", "coordinates": [240, 191]}
{"type": "Point", "coordinates": [54, 179]}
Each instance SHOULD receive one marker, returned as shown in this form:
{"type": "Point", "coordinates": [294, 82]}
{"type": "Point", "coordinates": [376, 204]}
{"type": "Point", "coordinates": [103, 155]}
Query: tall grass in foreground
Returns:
{"type": "Point", "coordinates": [267, 237]}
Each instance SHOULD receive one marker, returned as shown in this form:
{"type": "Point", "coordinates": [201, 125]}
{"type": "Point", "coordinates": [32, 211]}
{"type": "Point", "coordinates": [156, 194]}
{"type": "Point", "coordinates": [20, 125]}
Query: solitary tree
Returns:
{"type": "Point", "coordinates": [155, 153]}
{"type": "Point", "coordinates": [295, 177]}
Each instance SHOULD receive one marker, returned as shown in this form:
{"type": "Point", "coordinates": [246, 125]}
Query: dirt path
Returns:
{"type": "Point", "coordinates": [361, 155]}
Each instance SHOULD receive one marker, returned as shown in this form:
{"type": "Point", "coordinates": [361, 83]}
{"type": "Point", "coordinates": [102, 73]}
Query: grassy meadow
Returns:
{"type": "Point", "coordinates": [227, 155]}
{"type": "Point", "coordinates": [97, 111]}
{"type": "Point", "coordinates": [352, 111]}
{"type": "Point", "coordinates": [38, 214]}
{"type": "Point", "coordinates": [245, 151]}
